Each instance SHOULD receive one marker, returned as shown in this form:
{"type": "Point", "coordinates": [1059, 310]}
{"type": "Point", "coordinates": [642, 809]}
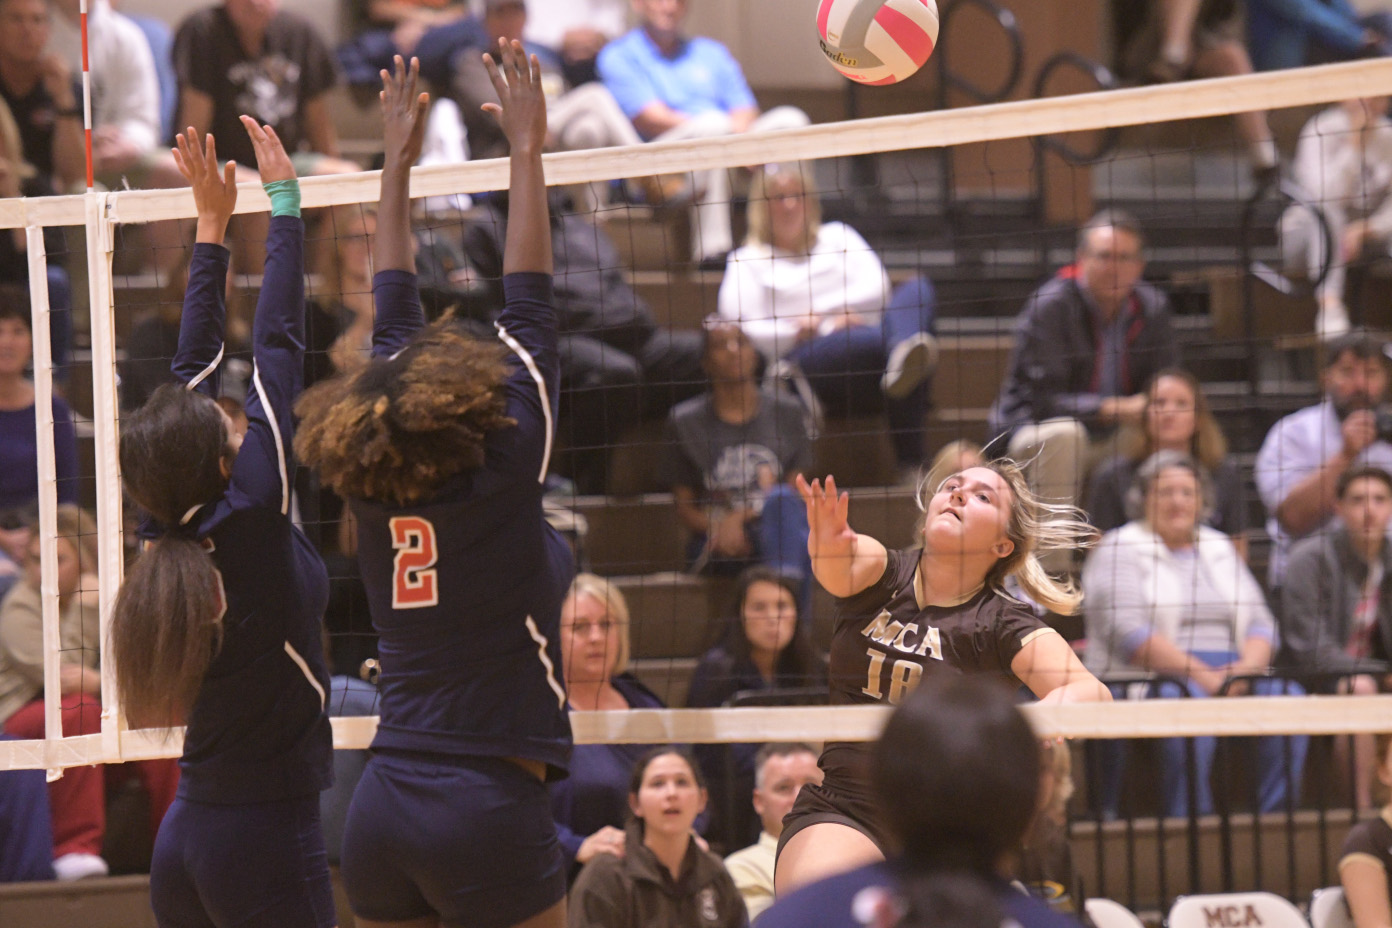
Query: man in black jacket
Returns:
{"type": "Point", "coordinates": [1086, 346]}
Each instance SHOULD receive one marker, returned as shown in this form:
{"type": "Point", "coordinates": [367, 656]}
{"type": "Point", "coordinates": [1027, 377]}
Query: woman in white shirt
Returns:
{"type": "Point", "coordinates": [816, 296]}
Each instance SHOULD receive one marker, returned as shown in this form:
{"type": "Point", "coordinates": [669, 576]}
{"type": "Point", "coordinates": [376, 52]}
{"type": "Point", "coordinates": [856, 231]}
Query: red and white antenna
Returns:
{"type": "Point", "coordinates": [86, 95]}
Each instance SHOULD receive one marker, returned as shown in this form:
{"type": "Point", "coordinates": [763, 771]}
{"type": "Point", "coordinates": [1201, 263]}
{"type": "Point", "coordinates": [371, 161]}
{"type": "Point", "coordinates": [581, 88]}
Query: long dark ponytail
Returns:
{"type": "Point", "coordinates": [167, 623]}
{"type": "Point", "coordinates": [957, 778]}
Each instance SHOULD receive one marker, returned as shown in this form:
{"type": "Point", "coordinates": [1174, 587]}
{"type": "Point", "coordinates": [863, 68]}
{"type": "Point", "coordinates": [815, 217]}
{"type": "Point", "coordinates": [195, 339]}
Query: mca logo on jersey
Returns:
{"type": "Point", "coordinates": [904, 638]}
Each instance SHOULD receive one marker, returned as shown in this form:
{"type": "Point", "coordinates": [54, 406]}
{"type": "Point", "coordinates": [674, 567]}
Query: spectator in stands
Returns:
{"type": "Point", "coordinates": [676, 87]}
{"type": "Point", "coordinates": [1182, 39]}
{"type": "Point", "coordinates": [26, 832]}
{"type": "Point", "coordinates": [19, 468]}
{"type": "Point", "coordinates": [1175, 417]}
{"type": "Point", "coordinates": [1302, 457]}
{"type": "Point", "coordinates": [732, 454]}
{"type": "Point", "coordinates": [781, 770]}
{"type": "Point", "coordinates": [1291, 33]}
{"type": "Point", "coordinates": [251, 57]}
{"type": "Point", "coordinates": [78, 798]}
{"type": "Point", "coordinates": [591, 804]}
{"type": "Point", "coordinates": [1167, 594]}
{"type": "Point", "coordinates": [1086, 345]}
{"type": "Point", "coordinates": [765, 646]}
{"type": "Point", "coordinates": [14, 538]}
{"type": "Point", "coordinates": [126, 135]}
{"type": "Point", "coordinates": [955, 819]}
{"type": "Point", "coordinates": [816, 295]}
{"type": "Point", "coordinates": [664, 877]}
{"type": "Point", "coordinates": [1337, 603]}
{"type": "Point", "coordinates": [618, 365]}
{"type": "Point", "coordinates": [1365, 866]}
{"type": "Point", "coordinates": [348, 696]}
{"type": "Point", "coordinates": [160, 37]}
{"type": "Point", "coordinates": [432, 30]}
{"type": "Point", "coordinates": [1044, 865]}
{"type": "Point", "coordinates": [576, 30]}
{"type": "Point", "coordinates": [1343, 165]}
{"type": "Point", "coordinates": [43, 95]}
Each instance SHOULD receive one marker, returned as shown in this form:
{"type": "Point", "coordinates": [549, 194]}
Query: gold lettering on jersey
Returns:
{"type": "Point", "coordinates": [904, 638]}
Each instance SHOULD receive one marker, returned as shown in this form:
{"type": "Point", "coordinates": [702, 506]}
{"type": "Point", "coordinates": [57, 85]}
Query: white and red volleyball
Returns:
{"type": "Point", "coordinates": [877, 42]}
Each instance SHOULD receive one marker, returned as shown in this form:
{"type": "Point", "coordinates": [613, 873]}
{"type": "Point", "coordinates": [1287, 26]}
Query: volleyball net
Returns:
{"type": "Point", "coordinates": [977, 199]}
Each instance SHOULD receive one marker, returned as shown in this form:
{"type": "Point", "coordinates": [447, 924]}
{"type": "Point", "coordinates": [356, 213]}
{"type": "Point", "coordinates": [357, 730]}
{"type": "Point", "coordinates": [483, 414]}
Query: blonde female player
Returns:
{"type": "Point", "coordinates": [441, 444]}
{"type": "Point", "coordinates": [943, 609]}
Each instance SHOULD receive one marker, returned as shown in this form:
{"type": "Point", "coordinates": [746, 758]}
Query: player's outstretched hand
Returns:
{"type": "Point", "coordinates": [828, 524]}
{"type": "Point", "coordinates": [271, 160]}
{"type": "Point", "coordinates": [521, 110]}
{"type": "Point", "coordinates": [403, 113]}
{"type": "Point", "coordinates": [214, 191]}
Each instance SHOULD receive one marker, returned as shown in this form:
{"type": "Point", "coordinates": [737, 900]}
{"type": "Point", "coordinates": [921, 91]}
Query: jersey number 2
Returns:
{"type": "Point", "coordinates": [415, 581]}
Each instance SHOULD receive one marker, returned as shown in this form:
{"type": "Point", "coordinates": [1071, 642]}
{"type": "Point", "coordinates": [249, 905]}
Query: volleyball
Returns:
{"type": "Point", "coordinates": [877, 42]}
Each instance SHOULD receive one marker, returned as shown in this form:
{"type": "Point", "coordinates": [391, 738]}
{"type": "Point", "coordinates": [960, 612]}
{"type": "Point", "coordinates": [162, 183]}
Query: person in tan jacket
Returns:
{"type": "Point", "coordinates": [664, 878]}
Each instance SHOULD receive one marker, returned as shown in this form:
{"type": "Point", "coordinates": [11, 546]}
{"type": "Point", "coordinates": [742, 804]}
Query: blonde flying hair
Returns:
{"type": "Point", "coordinates": [1035, 527]}
{"type": "Point", "coordinates": [757, 212]}
{"type": "Point", "coordinates": [615, 607]}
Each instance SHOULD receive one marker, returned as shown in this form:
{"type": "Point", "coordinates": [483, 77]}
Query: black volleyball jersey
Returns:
{"type": "Point", "coordinates": [1371, 841]}
{"type": "Point", "coordinates": [884, 640]}
{"type": "Point", "coordinates": [465, 588]}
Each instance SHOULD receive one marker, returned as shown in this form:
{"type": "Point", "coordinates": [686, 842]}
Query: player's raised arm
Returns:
{"type": "Point", "coordinates": [396, 296]}
{"type": "Point", "coordinates": [202, 325]}
{"type": "Point", "coordinates": [843, 562]}
{"type": "Point", "coordinates": [521, 112]}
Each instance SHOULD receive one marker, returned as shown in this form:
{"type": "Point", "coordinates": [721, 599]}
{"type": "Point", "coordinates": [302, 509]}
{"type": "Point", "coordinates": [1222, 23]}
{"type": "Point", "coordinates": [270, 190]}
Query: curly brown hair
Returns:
{"type": "Point", "coordinates": [396, 430]}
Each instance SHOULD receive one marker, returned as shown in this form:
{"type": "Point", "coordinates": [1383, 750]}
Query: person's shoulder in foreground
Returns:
{"type": "Point", "coordinates": [850, 900]}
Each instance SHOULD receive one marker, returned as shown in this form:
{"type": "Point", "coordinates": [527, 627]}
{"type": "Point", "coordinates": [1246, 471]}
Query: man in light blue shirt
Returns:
{"type": "Point", "coordinates": [674, 87]}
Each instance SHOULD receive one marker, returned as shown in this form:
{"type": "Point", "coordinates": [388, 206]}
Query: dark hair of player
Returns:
{"type": "Point", "coordinates": [957, 775]}
{"type": "Point", "coordinates": [396, 430]}
{"type": "Point", "coordinates": [799, 659]}
{"type": "Point", "coordinates": [167, 624]}
{"type": "Point", "coordinates": [640, 769]}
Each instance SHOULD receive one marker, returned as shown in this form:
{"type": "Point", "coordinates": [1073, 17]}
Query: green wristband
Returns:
{"type": "Point", "coordinates": [285, 197]}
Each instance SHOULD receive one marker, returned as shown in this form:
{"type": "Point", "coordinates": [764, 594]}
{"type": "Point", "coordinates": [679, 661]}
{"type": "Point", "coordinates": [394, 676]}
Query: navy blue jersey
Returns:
{"type": "Point", "coordinates": [258, 730]}
{"type": "Point", "coordinates": [466, 587]}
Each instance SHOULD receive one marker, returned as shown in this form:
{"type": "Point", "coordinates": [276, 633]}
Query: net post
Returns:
{"type": "Point", "coordinates": [40, 316]}
{"type": "Point", "coordinates": [111, 566]}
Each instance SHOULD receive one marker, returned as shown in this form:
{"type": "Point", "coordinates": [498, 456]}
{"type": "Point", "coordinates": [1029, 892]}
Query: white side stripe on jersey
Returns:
{"type": "Point", "coordinates": [304, 669]}
{"type": "Point", "coordinates": [545, 400]}
{"type": "Point", "coordinates": [540, 639]}
{"type": "Point", "coordinates": [207, 371]}
{"type": "Point", "coordinates": [279, 442]}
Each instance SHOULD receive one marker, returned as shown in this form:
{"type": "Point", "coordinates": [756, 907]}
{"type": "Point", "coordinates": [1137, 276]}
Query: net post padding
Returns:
{"type": "Point", "coordinates": [1222, 96]}
{"type": "Point", "coordinates": [1152, 718]}
{"type": "Point", "coordinates": [40, 319]}
{"type": "Point", "coordinates": [100, 240]}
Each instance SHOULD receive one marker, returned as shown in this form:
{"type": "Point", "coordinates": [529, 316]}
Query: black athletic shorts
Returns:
{"type": "Point", "coordinates": [843, 798]}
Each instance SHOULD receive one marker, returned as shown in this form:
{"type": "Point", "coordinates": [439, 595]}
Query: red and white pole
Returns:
{"type": "Point", "coordinates": [86, 95]}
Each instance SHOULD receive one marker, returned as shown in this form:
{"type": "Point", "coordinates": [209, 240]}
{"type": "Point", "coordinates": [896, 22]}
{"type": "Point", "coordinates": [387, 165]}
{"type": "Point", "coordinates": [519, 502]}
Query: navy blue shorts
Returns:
{"type": "Point", "coordinates": [246, 865]}
{"type": "Point", "coordinates": [468, 839]}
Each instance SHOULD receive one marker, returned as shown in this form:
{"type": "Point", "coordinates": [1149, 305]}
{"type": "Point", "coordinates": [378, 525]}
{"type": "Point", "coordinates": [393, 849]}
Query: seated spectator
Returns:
{"type": "Point", "coordinates": [431, 30]}
{"type": "Point", "coordinates": [78, 799]}
{"type": "Point", "coordinates": [1365, 866]}
{"type": "Point", "coordinates": [591, 804]}
{"type": "Point", "coordinates": [1086, 345]}
{"type": "Point", "coordinates": [1302, 457]}
{"type": "Point", "coordinates": [618, 366]}
{"type": "Point", "coordinates": [1169, 595]}
{"type": "Point", "coordinates": [816, 295]}
{"type": "Point", "coordinates": [1291, 33]}
{"type": "Point", "coordinates": [126, 136]}
{"type": "Point", "coordinates": [955, 820]}
{"type": "Point", "coordinates": [251, 57]}
{"type": "Point", "coordinates": [19, 467]}
{"type": "Point", "coordinates": [1045, 861]}
{"type": "Point", "coordinates": [731, 457]}
{"type": "Point", "coordinates": [160, 37]}
{"type": "Point", "coordinates": [676, 87]}
{"type": "Point", "coordinates": [1183, 39]}
{"type": "Point", "coordinates": [1343, 164]}
{"type": "Point", "coordinates": [26, 833]}
{"type": "Point", "coordinates": [781, 770]}
{"type": "Point", "coordinates": [1175, 417]}
{"type": "Point", "coordinates": [764, 646]}
{"type": "Point", "coordinates": [43, 94]}
{"type": "Point", "coordinates": [1337, 603]}
{"type": "Point", "coordinates": [576, 30]}
{"type": "Point", "coordinates": [663, 877]}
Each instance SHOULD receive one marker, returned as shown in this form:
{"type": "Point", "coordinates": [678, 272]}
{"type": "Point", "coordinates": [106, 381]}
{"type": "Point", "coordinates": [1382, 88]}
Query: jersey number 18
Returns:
{"type": "Point", "coordinates": [415, 581]}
